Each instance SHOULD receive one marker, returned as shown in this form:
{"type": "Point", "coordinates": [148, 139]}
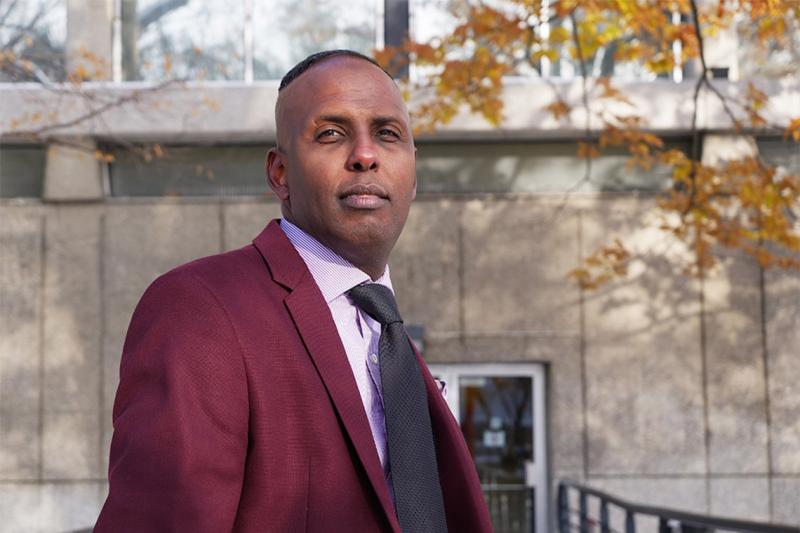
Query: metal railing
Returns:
{"type": "Point", "coordinates": [511, 508]}
{"type": "Point", "coordinates": [669, 520]}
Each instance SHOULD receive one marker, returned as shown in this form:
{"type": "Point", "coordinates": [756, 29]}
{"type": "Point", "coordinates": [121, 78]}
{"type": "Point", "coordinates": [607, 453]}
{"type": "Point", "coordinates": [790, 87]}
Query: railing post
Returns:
{"type": "Point", "coordinates": [630, 523]}
{"type": "Point", "coordinates": [584, 510]}
{"type": "Point", "coordinates": [563, 509]}
{"type": "Point", "coordinates": [604, 526]}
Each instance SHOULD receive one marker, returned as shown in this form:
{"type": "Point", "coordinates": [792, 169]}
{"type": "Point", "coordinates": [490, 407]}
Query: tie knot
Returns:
{"type": "Point", "coordinates": [377, 301]}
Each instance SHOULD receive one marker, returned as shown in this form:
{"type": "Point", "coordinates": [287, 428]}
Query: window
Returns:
{"type": "Point", "coordinates": [529, 167]}
{"type": "Point", "coordinates": [21, 171]}
{"type": "Point", "coordinates": [188, 40]}
{"type": "Point", "coordinates": [783, 153]}
{"type": "Point", "coordinates": [521, 167]}
{"type": "Point", "coordinates": [241, 39]}
{"type": "Point", "coordinates": [35, 31]}
{"type": "Point", "coordinates": [766, 58]}
{"type": "Point", "coordinates": [437, 18]}
{"type": "Point", "coordinates": [191, 171]}
{"type": "Point", "coordinates": [286, 32]}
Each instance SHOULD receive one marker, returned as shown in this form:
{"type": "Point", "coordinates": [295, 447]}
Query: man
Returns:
{"type": "Point", "coordinates": [272, 388]}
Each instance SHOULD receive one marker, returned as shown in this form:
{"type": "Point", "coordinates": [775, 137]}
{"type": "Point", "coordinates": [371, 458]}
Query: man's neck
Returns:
{"type": "Point", "coordinates": [374, 268]}
{"type": "Point", "coordinates": [303, 240]}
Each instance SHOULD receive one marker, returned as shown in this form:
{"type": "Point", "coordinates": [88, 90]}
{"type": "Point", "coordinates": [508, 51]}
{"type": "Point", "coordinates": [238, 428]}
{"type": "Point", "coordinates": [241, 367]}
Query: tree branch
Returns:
{"type": "Point", "coordinates": [93, 110]}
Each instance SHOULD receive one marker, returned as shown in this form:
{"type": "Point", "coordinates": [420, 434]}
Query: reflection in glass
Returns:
{"type": "Point", "coordinates": [497, 421]}
{"type": "Point", "coordinates": [185, 39]}
{"type": "Point", "coordinates": [35, 32]}
{"type": "Point", "coordinates": [286, 32]}
{"type": "Point", "coordinates": [203, 39]}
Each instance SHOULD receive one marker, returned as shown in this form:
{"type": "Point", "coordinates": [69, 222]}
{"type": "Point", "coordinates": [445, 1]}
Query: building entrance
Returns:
{"type": "Point", "coordinates": [501, 410]}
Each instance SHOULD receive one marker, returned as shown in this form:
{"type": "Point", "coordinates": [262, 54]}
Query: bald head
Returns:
{"type": "Point", "coordinates": [297, 81]}
{"type": "Point", "coordinates": [318, 57]}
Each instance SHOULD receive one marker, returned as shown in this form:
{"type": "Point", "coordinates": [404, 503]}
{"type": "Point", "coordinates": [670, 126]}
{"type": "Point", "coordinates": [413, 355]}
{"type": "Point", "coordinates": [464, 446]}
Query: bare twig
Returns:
{"type": "Point", "coordinates": [94, 110]}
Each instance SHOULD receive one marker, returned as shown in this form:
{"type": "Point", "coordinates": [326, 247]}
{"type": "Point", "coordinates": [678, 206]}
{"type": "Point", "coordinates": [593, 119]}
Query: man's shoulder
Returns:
{"type": "Point", "coordinates": [223, 273]}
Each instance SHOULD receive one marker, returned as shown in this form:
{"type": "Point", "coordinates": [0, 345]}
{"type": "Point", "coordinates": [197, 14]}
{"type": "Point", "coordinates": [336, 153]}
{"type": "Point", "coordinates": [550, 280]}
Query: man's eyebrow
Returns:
{"type": "Point", "coordinates": [345, 120]}
{"type": "Point", "coordinates": [387, 119]}
{"type": "Point", "coordinates": [336, 119]}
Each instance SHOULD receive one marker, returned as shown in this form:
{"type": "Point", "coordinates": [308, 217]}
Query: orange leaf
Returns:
{"type": "Point", "coordinates": [559, 109]}
{"type": "Point", "coordinates": [587, 150]}
{"type": "Point", "coordinates": [793, 130]}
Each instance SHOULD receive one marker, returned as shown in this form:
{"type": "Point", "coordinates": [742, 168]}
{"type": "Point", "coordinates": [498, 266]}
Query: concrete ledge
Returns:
{"type": "Point", "coordinates": [238, 112]}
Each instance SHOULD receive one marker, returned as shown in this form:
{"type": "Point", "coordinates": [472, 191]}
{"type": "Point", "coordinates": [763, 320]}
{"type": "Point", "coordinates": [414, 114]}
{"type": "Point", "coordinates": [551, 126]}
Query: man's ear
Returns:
{"type": "Point", "coordinates": [276, 174]}
{"type": "Point", "coordinates": [414, 195]}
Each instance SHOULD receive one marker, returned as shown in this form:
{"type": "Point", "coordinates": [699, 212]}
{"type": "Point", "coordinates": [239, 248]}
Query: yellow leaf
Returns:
{"type": "Point", "coordinates": [549, 53]}
{"type": "Point", "coordinates": [559, 34]}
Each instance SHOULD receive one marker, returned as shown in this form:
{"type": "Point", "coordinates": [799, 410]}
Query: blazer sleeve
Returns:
{"type": "Point", "coordinates": [180, 415]}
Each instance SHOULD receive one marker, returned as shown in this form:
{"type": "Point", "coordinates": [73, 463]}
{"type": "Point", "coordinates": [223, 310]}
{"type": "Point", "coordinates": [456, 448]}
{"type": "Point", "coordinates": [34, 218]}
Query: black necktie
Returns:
{"type": "Point", "coordinates": [409, 437]}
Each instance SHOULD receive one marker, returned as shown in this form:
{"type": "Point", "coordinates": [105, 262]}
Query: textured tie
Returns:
{"type": "Point", "coordinates": [409, 437]}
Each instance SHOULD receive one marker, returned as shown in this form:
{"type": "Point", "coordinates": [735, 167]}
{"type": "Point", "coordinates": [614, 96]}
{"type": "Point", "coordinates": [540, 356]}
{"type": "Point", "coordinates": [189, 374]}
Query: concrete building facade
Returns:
{"type": "Point", "coordinates": [658, 388]}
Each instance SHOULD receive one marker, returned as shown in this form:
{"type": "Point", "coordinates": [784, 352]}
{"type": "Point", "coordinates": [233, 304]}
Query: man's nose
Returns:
{"type": "Point", "coordinates": [364, 156]}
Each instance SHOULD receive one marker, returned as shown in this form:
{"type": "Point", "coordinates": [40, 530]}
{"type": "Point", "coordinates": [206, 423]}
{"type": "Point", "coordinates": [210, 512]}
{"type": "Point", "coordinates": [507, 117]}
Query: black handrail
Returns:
{"type": "Point", "coordinates": [668, 519]}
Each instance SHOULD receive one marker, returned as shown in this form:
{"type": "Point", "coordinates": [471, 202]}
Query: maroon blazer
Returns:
{"type": "Point", "coordinates": [237, 410]}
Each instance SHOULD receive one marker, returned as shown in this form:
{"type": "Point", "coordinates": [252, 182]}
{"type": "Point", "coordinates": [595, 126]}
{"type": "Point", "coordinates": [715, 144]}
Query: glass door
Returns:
{"type": "Point", "coordinates": [500, 408]}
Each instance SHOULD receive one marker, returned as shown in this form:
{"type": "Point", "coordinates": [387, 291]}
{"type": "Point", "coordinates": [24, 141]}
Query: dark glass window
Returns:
{"type": "Point", "coordinates": [783, 153]}
{"type": "Point", "coordinates": [190, 171]}
{"type": "Point", "coordinates": [441, 168]}
{"type": "Point", "coordinates": [22, 171]}
{"type": "Point", "coordinates": [529, 167]}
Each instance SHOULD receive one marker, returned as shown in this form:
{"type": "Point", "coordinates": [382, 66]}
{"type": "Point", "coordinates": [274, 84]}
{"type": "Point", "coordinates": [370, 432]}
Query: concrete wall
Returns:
{"type": "Point", "coordinates": [661, 389]}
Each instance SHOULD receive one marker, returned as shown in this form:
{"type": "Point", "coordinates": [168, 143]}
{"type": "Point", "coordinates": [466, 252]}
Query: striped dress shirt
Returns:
{"type": "Point", "coordinates": [359, 332]}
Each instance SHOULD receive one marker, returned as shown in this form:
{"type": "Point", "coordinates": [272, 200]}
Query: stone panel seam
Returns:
{"type": "Point", "coordinates": [582, 354]}
{"type": "Point", "coordinates": [42, 286]}
{"type": "Point", "coordinates": [704, 388]}
{"type": "Point", "coordinates": [765, 369]}
{"type": "Point", "coordinates": [461, 280]}
{"type": "Point", "coordinates": [101, 388]}
{"type": "Point", "coordinates": [221, 215]}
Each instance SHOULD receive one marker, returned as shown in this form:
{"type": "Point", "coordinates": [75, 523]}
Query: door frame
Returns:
{"type": "Point", "coordinates": [536, 474]}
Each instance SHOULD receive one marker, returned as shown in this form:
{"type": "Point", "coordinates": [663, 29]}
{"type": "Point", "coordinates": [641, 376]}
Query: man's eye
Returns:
{"type": "Point", "coordinates": [329, 133]}
{"type": "Point", "coordinates": [388, 133]}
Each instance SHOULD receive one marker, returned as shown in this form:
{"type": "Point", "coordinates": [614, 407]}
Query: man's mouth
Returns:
{"type": "Point", "coordinates": [364, 196]}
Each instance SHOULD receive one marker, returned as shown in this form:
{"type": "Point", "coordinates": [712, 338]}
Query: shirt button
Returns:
{"type": "Point", "coordinates": [374, 358]}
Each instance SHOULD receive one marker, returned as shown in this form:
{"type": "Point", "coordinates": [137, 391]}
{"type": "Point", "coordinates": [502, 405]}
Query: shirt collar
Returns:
{"type": "Point", "coordinates": [333, 274]}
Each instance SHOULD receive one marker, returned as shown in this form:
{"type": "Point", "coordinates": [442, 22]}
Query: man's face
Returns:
{"type": "Point", "coordinates": [345, 166]}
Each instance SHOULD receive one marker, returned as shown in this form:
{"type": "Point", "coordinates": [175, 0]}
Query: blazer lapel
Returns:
{"type": "Point", "coordinates": [315, 325]}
